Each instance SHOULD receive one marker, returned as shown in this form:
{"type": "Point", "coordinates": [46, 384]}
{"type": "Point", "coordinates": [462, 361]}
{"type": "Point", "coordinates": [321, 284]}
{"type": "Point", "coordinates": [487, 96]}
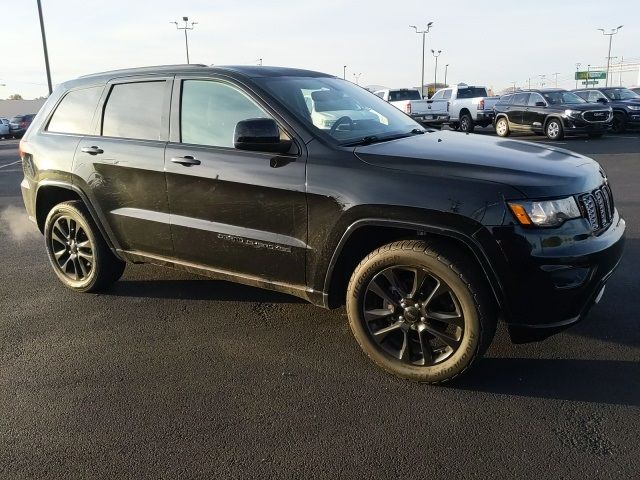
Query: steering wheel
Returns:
{"type": "Point", "coordinates": [339, 122]}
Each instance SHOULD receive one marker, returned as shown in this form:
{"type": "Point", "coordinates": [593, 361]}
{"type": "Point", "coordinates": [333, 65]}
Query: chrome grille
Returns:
{"type": "Point", "coordinates": [596, 115]}
{"type": "Point", "coordinates": [597, 207]}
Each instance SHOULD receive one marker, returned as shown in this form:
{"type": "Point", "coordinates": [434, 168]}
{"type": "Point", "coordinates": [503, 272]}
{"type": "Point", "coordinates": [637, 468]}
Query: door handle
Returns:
{"type": "Point", "coordinates": [187, 161]}
{"type": "Point", "coordinates": [92, 150]}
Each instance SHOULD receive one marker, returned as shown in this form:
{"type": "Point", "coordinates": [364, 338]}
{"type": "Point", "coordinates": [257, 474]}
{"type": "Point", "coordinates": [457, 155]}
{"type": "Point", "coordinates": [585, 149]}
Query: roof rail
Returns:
{"type": "Point", "coordinates": [146, 69]}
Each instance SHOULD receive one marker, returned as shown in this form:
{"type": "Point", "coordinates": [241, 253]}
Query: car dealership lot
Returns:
{"type": "Point", "coordinates": [172, 375]}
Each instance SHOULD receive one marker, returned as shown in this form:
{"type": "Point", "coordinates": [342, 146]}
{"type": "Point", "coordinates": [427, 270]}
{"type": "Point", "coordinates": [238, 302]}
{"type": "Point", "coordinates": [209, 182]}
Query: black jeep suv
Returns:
{"type": "Point", "coordinates": [231, 172]}
{"type": "Point", "coordinates": [624, 102]}
{"type": "Point", "coordinates": [552, 112]}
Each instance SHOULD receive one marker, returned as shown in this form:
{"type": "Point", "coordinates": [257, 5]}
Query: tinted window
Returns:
{"type": "Point", "coordinates": [562, 98]}
{"type": "Point", "coordinates": [535, 97]}
{"type": "Point", "coordinates": [472, 92]}
{"type": "Point", "coordinates": [400, 95]}
{"type": "Point", "coordinates": [520, 99]}
{"type": "Point", "coordinates": [505, 100]}
{"type": "Point", "coordinates": [582, 95]}
{"type": "Point", "coordinates": [134, 110]}
{"type": "Point", "coordinates": [75, 112]}
{"type": "Point", "coordinates": [621, 94]}
{"type": "Point", "coordinates": [211, 110]}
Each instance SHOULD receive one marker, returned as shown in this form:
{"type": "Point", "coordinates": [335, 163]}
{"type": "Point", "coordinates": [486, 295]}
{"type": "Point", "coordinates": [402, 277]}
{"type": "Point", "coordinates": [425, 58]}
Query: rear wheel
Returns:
{"type": "Point", "coordinates": [466, 123]}
{"type": "Point", "coordinates": [80, 257]}
{"type": "Point", "coordinates": [554, 130]}
{"type": "Point", "coordinates": [502, 127]}
{"type": "Point", "coordinates": [420, 311]}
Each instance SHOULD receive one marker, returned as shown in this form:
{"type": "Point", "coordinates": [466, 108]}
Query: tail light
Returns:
{"type": "Point", "coordinates": [21, 149]}
{"type": "Point", "coordinates": [23, 124]}
{"type": "Point", "coordinates": [448, 106]}
{"type": "Point", "coordinates": [481, 105]}
{"type": "Point", "coordinates": [407, 108]}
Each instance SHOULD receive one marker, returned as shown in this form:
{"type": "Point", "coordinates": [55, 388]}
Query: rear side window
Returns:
{"type": "Point", "coordinates": [134, 110]}
{"type": "Point", "coordinates": [401, 95]}
{"type": "Point", "coordinates": [505, 100]}
{"type": "Point", "coordinates": [472, 92]}
{"type": "Point", "coordinates": [446, 94]}
{"type": "Point", "coordinates": [520, 99]}
{"type": "Point", "coordinates": [75, 112]}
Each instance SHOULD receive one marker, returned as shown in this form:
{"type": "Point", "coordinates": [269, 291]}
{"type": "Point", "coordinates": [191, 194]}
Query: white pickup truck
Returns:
{"type": "Point", "coordinates": [411, 102]}
{"type": "Point", "coordinates": [466, 106]}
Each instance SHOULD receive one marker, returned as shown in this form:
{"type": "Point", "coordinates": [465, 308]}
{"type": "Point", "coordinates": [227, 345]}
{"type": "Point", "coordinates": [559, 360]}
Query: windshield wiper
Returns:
{"type": "Point", "coordinates": [369, 139]}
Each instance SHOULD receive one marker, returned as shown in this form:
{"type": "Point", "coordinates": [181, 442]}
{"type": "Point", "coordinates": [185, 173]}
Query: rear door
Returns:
{"type": "Point", "coordinates": [534, 115]}
{"type": "Point", "coordinates": [516, 110]}
{"type": "Point", "coordinates": [122, 164]}
{"type": "Point", "coordinates": [242, 212]}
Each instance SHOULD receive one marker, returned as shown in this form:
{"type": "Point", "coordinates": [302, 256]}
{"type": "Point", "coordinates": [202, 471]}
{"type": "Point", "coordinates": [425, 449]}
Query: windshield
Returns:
{"type": "Point", "coordinates": [341, 109]}
{"type": "Point", "coordinates": [562, 98]}
{"type": "Point", "coordinates": [621, 94]}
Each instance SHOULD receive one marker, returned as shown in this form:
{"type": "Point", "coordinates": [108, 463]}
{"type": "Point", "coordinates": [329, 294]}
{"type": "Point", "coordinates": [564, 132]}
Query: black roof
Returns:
{"type": "Point", "coordinates": [252, 71]}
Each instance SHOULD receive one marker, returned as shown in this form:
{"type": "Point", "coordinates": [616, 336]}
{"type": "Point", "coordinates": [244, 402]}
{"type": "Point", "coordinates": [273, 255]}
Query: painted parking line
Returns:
{"type": "Point", "coordinates": [10, 164]}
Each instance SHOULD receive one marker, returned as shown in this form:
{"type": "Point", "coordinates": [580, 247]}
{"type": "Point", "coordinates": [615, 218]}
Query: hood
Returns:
{"type": "Point", "coordinates": [628, 101]}
{"type": "Point", "coordinates": [536, 170]}
{"type": "Point", "coordinates": [582, 107]}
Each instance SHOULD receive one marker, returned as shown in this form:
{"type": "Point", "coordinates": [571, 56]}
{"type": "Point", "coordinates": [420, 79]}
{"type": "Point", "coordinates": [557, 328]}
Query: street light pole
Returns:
{"type": "Point", "coordinates": [357, 77]}
{"type": "Point", "coordinates": [260, 62]}
{"type": "Point", "coordinates": [435, 72]}
{"type": "Point", "coordinates": [556, 75]}
{"type": "Point", "coordinates": [344, 72]}
{"type": "Point", "coordinates": [610, 34]}
{"type": "Point", "coordinates": [185, 28]}
{"type": "Point", "coordinates": [424, 33]}
{"type": "Point", "coordinates": [542, 77]}
{"type": "Point", "coordinates": [577, 69]}
{"type": "Point", "coordinates": [44, 46]}
{"type": "Point", "coordinates": [446, 67]}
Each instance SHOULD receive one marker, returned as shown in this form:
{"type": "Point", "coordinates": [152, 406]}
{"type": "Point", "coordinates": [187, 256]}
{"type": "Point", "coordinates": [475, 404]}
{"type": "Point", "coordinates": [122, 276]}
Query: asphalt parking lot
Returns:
{"type": "Point", "coordinates": [169, 375]}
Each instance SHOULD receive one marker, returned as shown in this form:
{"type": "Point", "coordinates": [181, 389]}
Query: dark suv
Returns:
{"type": "Point", "coordinates": [624, 102]}
{"type": "Point", "coordinates": [428, 237]}
{"type": "Point", "coordinates": [552, 112]}
{"type": "Point", "coordinates": [19, 124]}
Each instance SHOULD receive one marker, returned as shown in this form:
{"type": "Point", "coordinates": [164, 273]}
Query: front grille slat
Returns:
{"type": "Point", "coordinates": [598, 208]}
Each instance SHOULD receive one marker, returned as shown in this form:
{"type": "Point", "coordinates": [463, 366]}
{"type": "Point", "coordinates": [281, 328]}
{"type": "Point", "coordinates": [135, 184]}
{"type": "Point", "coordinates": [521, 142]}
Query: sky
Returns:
{"type": "Point", "coordinates": [491, 43]}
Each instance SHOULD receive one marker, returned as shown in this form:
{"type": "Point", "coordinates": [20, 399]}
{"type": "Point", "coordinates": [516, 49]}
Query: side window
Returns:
{"type": "Point", "coordinates": [520, 99]}
{"type": "Point", "coordinates": [210, 111]}
{"type": "Point", "coordinates": [380, 94]}
{"type": "Point", "coordinates": [594, 96]}
{"type": "Point", "coordinates": [134, 110]}
{"type": "Point", "coordinates": [75, 112]}
{"type": "Point", "coordinates": [446, 94]}
{"type": "Point", "coordinates": [438, 95]}
{"type": "Point", "coordinates": [533, 98]}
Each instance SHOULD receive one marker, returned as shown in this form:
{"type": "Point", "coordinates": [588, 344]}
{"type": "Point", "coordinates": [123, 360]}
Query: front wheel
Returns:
{"type": "Point", "coordinates": [502, 127]}
{"type": "Point", "coordinates": [420, 311]}
{"type": "Point", "coordinates": [80, 257]}
{"type": "Point", "coordinates": [619, 124]}
{"type": "Point", "coordinates": [554, 130]}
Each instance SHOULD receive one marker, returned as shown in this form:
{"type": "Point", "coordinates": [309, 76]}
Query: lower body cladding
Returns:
{"type": "Point", "coordinates": [557, 275]}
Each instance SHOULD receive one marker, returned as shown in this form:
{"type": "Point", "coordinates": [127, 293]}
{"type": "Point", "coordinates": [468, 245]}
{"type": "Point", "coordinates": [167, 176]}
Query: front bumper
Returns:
{"type": "Point", "coordinates": [578, 125]}
{"type": "Point", "coordinates": [556, 275]}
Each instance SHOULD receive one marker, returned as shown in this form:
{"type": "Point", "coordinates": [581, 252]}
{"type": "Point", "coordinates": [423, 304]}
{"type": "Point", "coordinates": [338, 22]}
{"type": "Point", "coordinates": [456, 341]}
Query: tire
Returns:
{"type": "Point", "coordinates": [553, 129]}
{"type": "Point", "coordinates": [619, 123]}
{"type": "Point", "coordinates": [466, 123]}
{"type": "Point", "coordinates": [464, 302]}
{"type": "Point", "coordinates": [73, 239]}
{"type": "Point", "coordinates": [595, 135]}
{"type": "Point", "coordinates": [502, 127]}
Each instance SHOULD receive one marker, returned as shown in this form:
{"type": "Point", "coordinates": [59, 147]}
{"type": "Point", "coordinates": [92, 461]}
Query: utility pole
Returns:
{"type": "Point", "coordinates": [357, 77]}
{"type": "Point", "coordinates": [514, 87]}
{"type": "Point", "coordinates": [529, 83]}
{"type": "Point", "coordinates": [577, 69]}
{"type": "Point", "coordinates": [44, 47]}
{"type": "Point", "coordinates": [185, 28]}
{"type": "Point", "coordinates": [620, 71]}
{"type": "Point", "coordinates": [610, 35]}
{"type": "Point", "coordinates": [435, 72]}
{"type": "Point", "coordinates": [556, 75]}
{"type": "Point", "coordinates": [446, 67]}
{"type": "Point", "coordinates": [424, 33]}
{"type": "Point", "coordinates": [344, 72]}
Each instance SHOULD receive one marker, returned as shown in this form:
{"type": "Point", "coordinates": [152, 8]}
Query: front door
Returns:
{"type": "Point", "coordinates": [236, 211]}
{"type": "Point", "coordinates": [535, 113]}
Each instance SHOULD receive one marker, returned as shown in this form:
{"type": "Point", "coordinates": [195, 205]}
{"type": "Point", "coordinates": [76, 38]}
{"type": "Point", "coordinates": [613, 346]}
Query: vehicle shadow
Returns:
{"type": "Point", "coordinates": [189, 289]}
{"type": "Point", "coordinates": [600, 381]}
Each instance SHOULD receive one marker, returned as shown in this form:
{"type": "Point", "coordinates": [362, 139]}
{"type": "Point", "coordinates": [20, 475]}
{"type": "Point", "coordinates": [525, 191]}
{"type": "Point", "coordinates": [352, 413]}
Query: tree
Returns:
{"type": "Point", "coordinates": [15, 96]}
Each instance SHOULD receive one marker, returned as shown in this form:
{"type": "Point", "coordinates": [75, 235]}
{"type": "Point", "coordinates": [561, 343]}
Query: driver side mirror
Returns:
{"type": "Point", "coordinates": [602, 100]}
{"type": "Point", "coordinates": [541, 104]}
{"type": "Point", "coordinates": [260, 135]}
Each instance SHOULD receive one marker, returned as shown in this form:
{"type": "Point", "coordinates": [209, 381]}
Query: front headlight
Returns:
{"type": "Point", "coordinates": [633, 107]}
{"type": "Point", "coordinates": [545, 213]}
{"type": "Point", "coordinates": [572, 113]}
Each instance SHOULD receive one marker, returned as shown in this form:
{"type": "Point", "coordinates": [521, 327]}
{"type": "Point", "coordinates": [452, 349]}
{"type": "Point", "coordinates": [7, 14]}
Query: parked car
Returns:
{"type": "Point", "coordinates": [410, 101]}
{"type": "Point", "coordinates": [4, 127]}
{"type": "Point", "coordinates": [19, 124]}
{"type": "Point", "coordinates": [428, 237]}
{"type": "Point", "coordinates": [624, 103]}
{"type": "Point", "coordinates": [636, 90]}
{"type": "Point", "coordinates": [327, 107]}
{"type": "Point", "coordinates": [467, 106]}
{"type": "Point", "coordinates": [552, 112]}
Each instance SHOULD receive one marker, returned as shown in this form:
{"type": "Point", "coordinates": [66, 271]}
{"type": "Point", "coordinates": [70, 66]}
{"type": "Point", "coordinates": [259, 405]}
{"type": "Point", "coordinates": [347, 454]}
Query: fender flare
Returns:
{"type": "Point", "coordinates": [98, 219]}
{"type": "Point", "coordinates": [469, 241]}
